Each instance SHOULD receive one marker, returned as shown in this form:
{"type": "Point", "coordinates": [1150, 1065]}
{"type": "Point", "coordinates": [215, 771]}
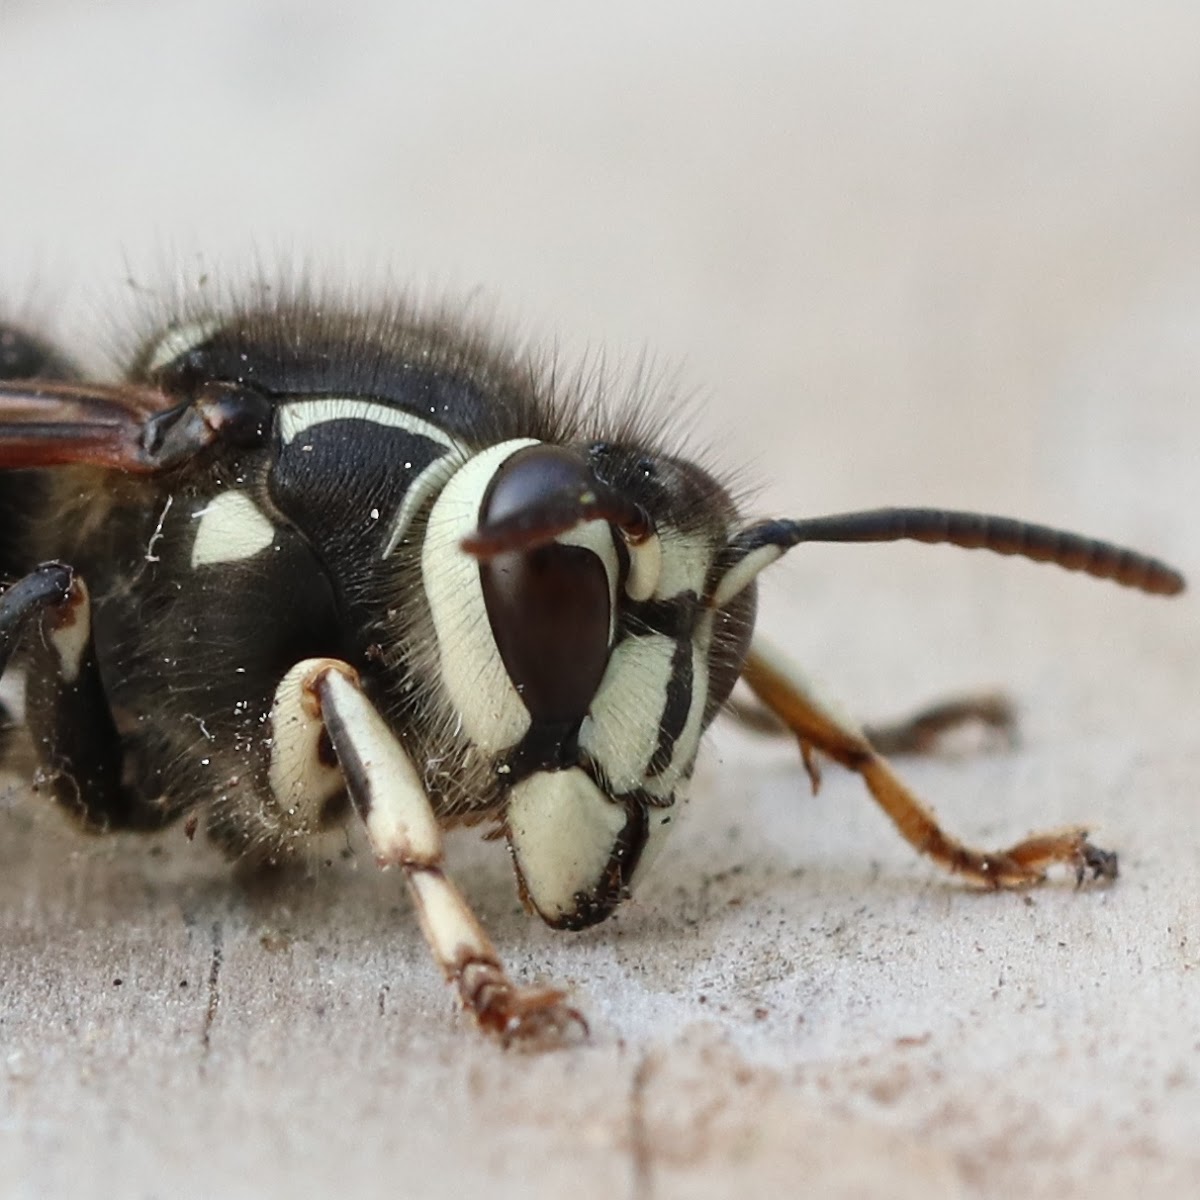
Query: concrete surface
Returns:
{"type": "Point", "coordinates": [932, 258]}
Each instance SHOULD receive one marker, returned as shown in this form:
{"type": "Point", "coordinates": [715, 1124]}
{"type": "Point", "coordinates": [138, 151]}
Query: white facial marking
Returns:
{"type": "Point", "coordinates": [686, 558]}
{"type": "Point", "coordinates": [738, 577]}
{"type": "Point", "coordinates": [300, 782]}
{"type": "Point", "coordinates": [562, 829]}
{"type": "Point", "coordinates": [621, 729]}
{"type": "Point", "coordinates": [645, 568]}
{"type": "Point", "coordinates": [178, 340]}
{"type": "Point", "coordinates": [70, 639]}
{"type": "Point", "coordinates": [231, 530]}
{"type": "Point", "coordinates": [492, 713]}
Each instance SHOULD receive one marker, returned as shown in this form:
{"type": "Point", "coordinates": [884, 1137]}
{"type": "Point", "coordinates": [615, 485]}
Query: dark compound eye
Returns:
{"type": "Point", "coordinates": [549, 607]}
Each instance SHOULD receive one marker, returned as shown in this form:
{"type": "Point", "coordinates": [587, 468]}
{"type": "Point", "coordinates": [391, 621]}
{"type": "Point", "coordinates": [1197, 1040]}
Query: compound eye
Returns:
{"type": "Point", "coordinates": [549, 607]}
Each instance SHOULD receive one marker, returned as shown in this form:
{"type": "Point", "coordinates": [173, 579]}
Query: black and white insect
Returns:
{"type": "Point", "coordinates": [304, 562]}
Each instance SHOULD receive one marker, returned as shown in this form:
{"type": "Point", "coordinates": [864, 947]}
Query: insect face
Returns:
{"type": "Point", "coordinates": [586, 660]}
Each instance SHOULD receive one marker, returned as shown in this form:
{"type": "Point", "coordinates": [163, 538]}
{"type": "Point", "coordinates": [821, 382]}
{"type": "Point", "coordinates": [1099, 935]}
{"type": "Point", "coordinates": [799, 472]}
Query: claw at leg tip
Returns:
{"type": "Point", "coordinates": [1103, 864]}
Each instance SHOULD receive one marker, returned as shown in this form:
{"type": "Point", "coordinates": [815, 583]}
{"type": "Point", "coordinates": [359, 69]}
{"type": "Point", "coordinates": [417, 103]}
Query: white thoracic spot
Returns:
{"type": "Point", "coordinates": [300, 782]}
{"type": "Point", "coordinates": [493, 715]}
{"type": "Point", "coordinates": [231, 529]}
{"type": "Point", "coordinates": [298, 416]}
{"type": "Point", "coordinates": [686, 558]}
{"type": "Point", "coordinates": [178, 340]}
{"type": "Point", "coordinates": [596, 536]}
{"type": "Point", "coordinates": [562, 830]}
{"type": "Point", "coordinates": [620, 732]}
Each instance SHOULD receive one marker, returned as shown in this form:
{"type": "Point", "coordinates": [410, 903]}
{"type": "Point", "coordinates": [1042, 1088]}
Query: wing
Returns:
{"type": "Point", "coordinates": [124, 427]}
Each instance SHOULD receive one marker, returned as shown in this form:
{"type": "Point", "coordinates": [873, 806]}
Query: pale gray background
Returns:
{"type": "Point", "coordinates": [902, 254]}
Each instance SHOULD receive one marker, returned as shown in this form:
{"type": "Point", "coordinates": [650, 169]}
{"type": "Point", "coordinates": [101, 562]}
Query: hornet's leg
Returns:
{"type": "Point", "coordinates": [919, 733]}
{"type": "Point", "coordinates": [78, 748]}
{"type": "Point", "coordinates": [323, 696]}
{"type": "Point", "coordinates": [819, 726]}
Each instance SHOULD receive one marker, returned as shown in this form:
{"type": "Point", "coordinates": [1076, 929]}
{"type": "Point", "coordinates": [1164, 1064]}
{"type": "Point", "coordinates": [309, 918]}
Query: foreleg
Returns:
{"type": "Point", "coordinates": [324, 696]}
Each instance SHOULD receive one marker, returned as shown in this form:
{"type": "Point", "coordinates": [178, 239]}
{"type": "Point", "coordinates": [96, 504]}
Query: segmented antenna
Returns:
{"type": "Point", "coordinates": [973, 531]}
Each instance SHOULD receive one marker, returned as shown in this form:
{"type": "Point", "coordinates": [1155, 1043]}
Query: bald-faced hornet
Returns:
{"type": "Point", "coordinates": [303, 561]}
